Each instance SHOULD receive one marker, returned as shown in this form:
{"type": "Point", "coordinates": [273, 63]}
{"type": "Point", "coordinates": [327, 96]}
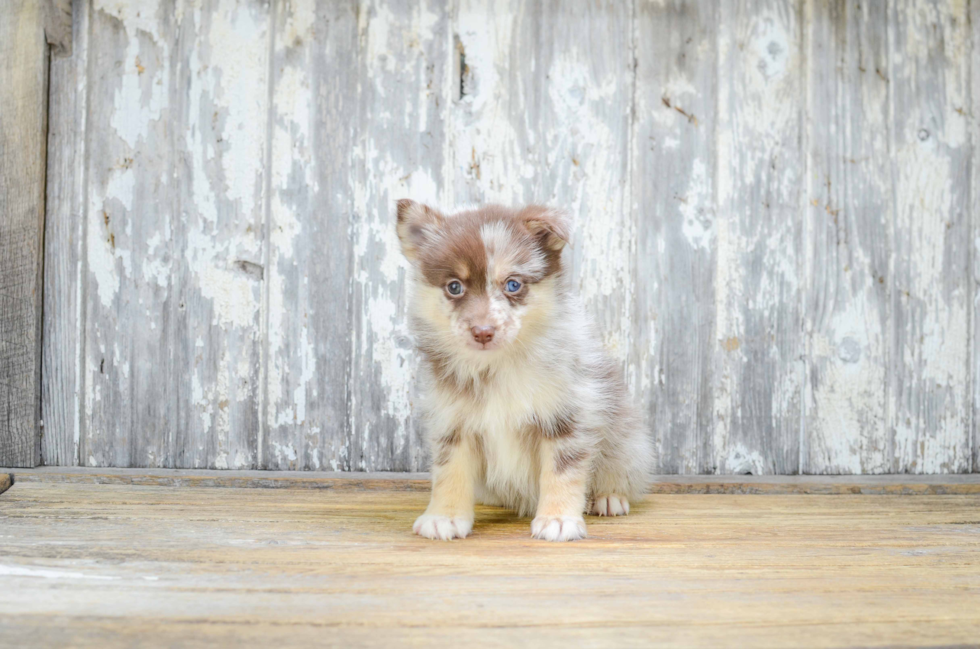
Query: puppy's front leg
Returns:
{"type": "Point", "coordinates": [564, 476]}
{"type": "Point", "coordinates": [450, 511]}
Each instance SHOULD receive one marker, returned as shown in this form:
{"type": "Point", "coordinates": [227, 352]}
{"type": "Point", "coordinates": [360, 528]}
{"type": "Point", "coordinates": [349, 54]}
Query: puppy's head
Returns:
{"type": "Point", "coordinates": [486, 280]}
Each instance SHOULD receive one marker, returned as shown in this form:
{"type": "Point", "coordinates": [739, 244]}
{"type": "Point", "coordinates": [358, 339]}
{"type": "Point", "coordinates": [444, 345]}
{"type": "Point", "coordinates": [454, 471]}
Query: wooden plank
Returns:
{"type": "Point", "coordinates": [130, 378]}
{"type": "Point", "coordinates": [543, 116]}
{"type": "Point", "coordinates": [64, 281]}
{"type": "Point", "coordinates": [111, 565]}
{"type": "Point", "coordinates": [921, 485]}
{"type": "Point", "coordinates": [929, 411]}
{"type": "Point", "coordinates": [23, 114]}
{"type": "Point", "coordinates": [175, 235]}
{"type": "Point", "coordinates": [975, 225]}
{"type": "Point", "coordinates": [58, 26]}
{"type": "Point", "coordinates": [673, 190]}
{"type": "Point", "coordinates": [757, 368]}
{"type": "Point", "coordinates": [229, 478]}
{"type": "Point", "coordinates": [398, 151]}
{"type": "Point", "coordinates": [189, 308]}
{"type": "Point", "coordinates": [848, 208]}
{"type": "Point", "coordinates": [308, 328]}
{"type": "Point", "coordinates": [219, 117]}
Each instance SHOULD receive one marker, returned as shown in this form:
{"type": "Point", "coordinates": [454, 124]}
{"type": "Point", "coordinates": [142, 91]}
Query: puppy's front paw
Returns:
{"type": "Point", "coordinates": [611, 505]}
{"type": "Point", "coordinates": [561, 528]}
{"type": "Point", "coordinates": [445, 528]}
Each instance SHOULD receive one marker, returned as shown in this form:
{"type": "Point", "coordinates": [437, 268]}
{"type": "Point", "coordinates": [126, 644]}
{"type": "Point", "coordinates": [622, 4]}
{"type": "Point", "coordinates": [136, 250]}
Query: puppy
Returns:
{"type": "Point", "coordinates": [522, 407]}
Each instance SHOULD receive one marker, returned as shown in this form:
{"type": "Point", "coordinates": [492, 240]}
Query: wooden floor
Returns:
{"type": "Point", "coordinates": [122, 565]}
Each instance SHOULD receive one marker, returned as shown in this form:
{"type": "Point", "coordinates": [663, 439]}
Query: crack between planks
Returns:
{"type": "Point", "coordinates": [972, 189]}
{"type": "Point", "coordinates": [347, 450]}
{"type": "Point", "coordinates": [807, 58]}
{"type": "Point", "coordinates": [39, 280]}
{"type": "Point", "coordinates": [81, 348]}
{"type": "Point", "coordinates": [890, 242]}
{"type": "Point", "coordinates": [266, 241]}
{"type": "Point", "coordinates": [631, 141]}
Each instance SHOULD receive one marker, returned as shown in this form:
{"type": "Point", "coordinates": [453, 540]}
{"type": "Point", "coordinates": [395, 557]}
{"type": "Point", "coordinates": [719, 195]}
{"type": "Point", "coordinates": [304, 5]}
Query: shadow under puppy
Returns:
{"type": "Point", "coordinates": [522, 407]}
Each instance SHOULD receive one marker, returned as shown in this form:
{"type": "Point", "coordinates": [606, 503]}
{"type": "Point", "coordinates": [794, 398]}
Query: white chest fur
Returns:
{"type": "Point", "coordinates": [499, 412]}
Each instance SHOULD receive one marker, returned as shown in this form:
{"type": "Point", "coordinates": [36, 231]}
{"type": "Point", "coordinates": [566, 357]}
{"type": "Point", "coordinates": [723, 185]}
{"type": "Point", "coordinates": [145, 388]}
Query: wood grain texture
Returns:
{"type": "Point", "coordinates": [929, 416]}
{"type": "Point", "coordinates": [673, 197]}
{"type": "Point", "coordinates": [23, 112]}
{"type": "Point", "coordinates": [399, 150]}
{"type": "Point", "coordinates": [543, 116]}
{"type": "Point", "coordinates": [130, 404]}
{"type": "Point", "coordinates": [918, 485]}
{"type": "Point", "coordinates": [219, 121]}
{"type": "Point", "coordinates": [757, 365]}
{"type": "Point", "coordinates": [64, 282]}
{"type": "Point", "coordinates": [58, 26]}
{"type": "Point", "coordinates": [107, 566]}
{"type": "Point", "coordinates": [848, 227]}
{"type": "Point", "coordinates": [308, 291]}
{"type": "Point", "coordinates": [975, 225]}
{"type": "Point", "coordinates": [773, 207]}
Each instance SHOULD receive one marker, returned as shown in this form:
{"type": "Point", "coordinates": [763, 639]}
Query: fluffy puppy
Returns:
{"type": "Point", "coordinates": [522, 407]}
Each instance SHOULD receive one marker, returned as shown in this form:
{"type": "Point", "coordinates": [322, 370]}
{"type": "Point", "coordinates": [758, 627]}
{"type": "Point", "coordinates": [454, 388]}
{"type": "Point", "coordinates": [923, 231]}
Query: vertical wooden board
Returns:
{"type": "Point", "coordinates": [929, 402]}
{"type": "Point", "coordinates": [58, 26]}
{"type": "Point", "coordinates": [63, 231]}
{"type": "Point", "coordinates": [314, 104]}
{"type": "Point", "coordinates": [975, 224]}
{"type": "Point", "coordinates": [757, 361]}
{"type": "Point", "coordinates": [848, 208]}
{"type": "Point", "coordinates": [543, 116]}
{"type": "Point", "coordinates": [219, 108]}
{"type": "Point", "coordinates": [130, 400]}
{"type": "Point", "coordinates": [23, 109]}
{"type": "Point", "coordinates": [398, 151]}
{"type": "Point", "coordinates": [673, 181]}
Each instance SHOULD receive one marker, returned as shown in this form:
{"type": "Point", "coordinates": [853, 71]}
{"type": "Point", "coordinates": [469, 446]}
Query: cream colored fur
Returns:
{"type": "Point", "coordinates": [541, 423]}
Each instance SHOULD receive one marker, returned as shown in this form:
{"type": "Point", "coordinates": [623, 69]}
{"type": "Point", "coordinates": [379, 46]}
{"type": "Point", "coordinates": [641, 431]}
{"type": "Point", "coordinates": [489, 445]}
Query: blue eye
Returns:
{"type": "Point", "coordinates": [513, 286]}
{"type": "Point", "coordinates": [454, 287]}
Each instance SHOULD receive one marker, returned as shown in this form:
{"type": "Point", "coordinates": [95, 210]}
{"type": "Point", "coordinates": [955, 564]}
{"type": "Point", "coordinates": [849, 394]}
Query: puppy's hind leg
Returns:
{"type": "Point", "coordinates": [620, 474]}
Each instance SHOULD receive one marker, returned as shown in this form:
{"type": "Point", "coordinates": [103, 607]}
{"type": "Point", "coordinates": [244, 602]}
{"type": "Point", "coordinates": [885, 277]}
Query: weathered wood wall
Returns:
{"type": "Point", "coordinates": [777, 208]}
{"type": "Point", "coordinates": [27, 27]}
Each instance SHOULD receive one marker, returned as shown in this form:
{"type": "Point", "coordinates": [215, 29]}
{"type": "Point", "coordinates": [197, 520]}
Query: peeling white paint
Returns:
{"type": "Point", "coordinates": [285, 454]}
{"type": "Point", "coordinates": [241, 43]}
{"type": "Point", "coordinates": [559, 133]}
{"type": "Point", "coordinates": [133, 112]}
{"type": "Point", "coordinates": [741, 460]}
{"type": "Point", "coordinates": [697, 208]}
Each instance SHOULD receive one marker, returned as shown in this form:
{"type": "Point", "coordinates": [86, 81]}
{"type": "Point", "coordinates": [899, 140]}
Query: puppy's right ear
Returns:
{"type": "Point", "coordinates": [417, 223]}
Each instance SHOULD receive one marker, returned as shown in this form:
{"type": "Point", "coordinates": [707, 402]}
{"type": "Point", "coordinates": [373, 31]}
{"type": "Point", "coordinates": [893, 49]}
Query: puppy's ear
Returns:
{"type": "Point", "coordinates": [551, 226]}
{"type": "Point", "coordinates": [417, 223]}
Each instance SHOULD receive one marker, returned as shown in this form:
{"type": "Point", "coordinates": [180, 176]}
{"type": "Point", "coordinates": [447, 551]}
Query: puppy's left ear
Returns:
{"type": "Point", "coordinates": [417, 223]}
{"type": "Point", "coordinates": [550, 225]}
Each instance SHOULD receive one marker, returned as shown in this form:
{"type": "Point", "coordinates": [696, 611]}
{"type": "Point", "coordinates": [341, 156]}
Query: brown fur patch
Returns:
{"type": "Point", "coordinates": [416, 222]}
{"type": "Point", "coordinates": [445, 446]}
{"type": "Point", "coordinates": [560, 427]}
{"type": "Point", "coordinates": [563, 426]}
{"type": "Point", "coordinates": [550, 229]}
{"type": "Point", "coordinates": [568, 459]}
{"type": "Point", "coordinates": [449, 381]}
{"type": "Point", "coordinates": [458, 252]}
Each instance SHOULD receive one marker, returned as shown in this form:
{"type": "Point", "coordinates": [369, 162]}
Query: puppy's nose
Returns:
{"type": "Point", "coordinates": [483, 334]}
